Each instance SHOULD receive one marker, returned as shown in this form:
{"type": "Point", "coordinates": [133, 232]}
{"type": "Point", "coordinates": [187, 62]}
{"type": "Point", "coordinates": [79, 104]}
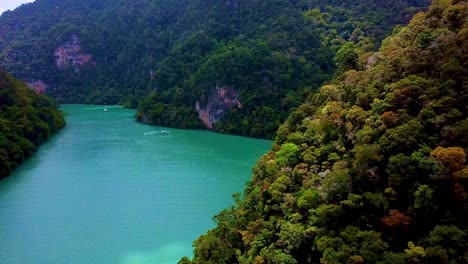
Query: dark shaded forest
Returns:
{"type": "Point", "coordinates": [26, 120]}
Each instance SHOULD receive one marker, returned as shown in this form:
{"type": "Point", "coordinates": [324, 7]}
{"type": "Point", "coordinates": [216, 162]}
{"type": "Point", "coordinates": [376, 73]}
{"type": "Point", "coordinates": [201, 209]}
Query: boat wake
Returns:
{"type": "Point", "coordinates": [157, 133]}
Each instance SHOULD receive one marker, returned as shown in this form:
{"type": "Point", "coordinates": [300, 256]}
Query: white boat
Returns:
{"type": "Point", "coordinates": [105, 109]}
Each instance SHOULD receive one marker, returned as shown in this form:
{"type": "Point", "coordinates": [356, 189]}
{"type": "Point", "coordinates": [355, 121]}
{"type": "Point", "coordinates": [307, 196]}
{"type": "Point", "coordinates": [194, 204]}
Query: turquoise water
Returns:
{"type": "Point", "coordinates": [108, 190]}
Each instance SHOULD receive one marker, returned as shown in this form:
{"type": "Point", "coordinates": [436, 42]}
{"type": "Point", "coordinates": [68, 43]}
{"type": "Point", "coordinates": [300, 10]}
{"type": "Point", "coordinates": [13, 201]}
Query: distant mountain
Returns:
{"type": "Point", "coordinates": [372, 169]}
{"type": "Point", "coordinates": [26, 120]}
{"type": "Point", "coordinates": [244, 63]}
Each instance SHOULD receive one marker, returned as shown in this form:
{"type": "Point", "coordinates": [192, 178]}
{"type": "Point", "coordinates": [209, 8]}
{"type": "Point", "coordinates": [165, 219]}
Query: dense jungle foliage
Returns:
{"type": "Point", "coordinates": [172, 53]}
{"type": "Point", "coordinates": [372, 169]}
{"type": "Point", "coordinates": [26, 120]}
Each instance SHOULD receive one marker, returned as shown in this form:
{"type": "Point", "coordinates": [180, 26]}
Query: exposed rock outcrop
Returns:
{"type": "Point", "coordinates": [223, 99]}
{"type": "Point", "coordinates": [38, 86]}
{"type": "Point", "coordinates": [69, 55]}
{"type": "Point", "coordinates": [372, 60]}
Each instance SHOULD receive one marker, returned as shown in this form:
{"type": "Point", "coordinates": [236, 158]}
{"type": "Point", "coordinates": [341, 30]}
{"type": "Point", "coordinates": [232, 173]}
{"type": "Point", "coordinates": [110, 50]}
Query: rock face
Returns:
{"type": "Point", "coordinates": [38, 86]}
{"type": "Point", "coordinates": [223, 99]}
{"type": "Point", "coordinates": [69, 55]}
{"type": "Point", "coordinates": [372, 60]}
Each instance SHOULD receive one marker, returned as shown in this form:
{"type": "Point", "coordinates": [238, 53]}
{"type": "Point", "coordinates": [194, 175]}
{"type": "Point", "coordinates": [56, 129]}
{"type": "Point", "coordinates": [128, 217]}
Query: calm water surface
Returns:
{"type": "Point", "coordinates": [108, 190]}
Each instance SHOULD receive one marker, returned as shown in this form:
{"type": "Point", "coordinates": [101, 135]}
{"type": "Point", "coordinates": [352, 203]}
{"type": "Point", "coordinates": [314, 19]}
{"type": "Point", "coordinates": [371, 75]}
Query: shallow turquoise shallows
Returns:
{"type": "Point", "coordinates": [108, 190]}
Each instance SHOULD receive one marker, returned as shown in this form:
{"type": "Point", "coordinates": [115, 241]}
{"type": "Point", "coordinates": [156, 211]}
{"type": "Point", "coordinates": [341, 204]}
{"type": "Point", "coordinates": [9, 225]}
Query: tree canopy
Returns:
{"type": "Point", "coordinates": [164, 56]}
{"type": "Point", "coordinates": [372, 169]}
{"type": "Point", "coordinates": [26, 120]}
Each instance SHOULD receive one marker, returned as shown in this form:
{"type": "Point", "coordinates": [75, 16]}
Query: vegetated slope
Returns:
{"type": "Point", "coordinates": [256, 60]}
{"type": "Point", "coordinates": [26, 120]}
{"type": "Point", "coordinates": [373, 169]}
{"type": "Point", "coordinates": [232, 66]}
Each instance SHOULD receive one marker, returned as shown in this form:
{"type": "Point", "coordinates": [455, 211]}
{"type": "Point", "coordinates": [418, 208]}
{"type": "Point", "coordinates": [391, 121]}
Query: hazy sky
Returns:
{"type": "Point", "coordinates": [11, 4]}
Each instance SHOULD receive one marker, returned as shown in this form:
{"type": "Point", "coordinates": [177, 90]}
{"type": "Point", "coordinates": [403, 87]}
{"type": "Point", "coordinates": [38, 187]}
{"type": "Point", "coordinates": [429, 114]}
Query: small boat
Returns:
{"type": "Point", "coordinates": [105, 109]}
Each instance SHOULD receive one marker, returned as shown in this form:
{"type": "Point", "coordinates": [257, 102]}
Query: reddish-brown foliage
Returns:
{"type": "Point", "coordinates": [396, 219]}
{"type": "Point", "coordinates": [390, 118]}
{"type": "Point", "coordinates": [453, 158]}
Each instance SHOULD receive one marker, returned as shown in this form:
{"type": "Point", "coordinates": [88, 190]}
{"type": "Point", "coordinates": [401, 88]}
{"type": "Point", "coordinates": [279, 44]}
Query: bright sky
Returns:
{"type": "Point", "coordinates": [11, 4]}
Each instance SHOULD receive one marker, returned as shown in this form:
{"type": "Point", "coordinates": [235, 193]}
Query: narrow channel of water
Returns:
{"type": "Point", "coordinates": [108, 190]}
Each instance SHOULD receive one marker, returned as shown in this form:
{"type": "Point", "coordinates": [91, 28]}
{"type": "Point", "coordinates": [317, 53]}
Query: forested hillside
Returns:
{"type": "Point", "coordinates": [233, 66]}
{"type": "Point", "coordinates": [26, 120]}
{"type": "Point", "coordinates": [372, 169]}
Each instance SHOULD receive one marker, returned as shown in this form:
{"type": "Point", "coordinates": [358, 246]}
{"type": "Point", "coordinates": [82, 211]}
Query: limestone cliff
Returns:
{"type": "Point", "coordinates": [69, 55]}
{"type": "Point", "coordinates": [38, 86]}
{"type": "Point", "coordinates": [223, 99]}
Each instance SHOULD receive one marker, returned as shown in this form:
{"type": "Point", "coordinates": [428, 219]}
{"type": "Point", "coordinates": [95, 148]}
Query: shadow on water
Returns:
{"type": "Point", "coordinates": [19, 174]}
